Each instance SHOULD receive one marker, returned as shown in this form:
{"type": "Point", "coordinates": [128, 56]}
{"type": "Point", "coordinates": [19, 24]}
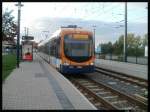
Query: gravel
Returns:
{"type": "Point", "coordinates": [116, 84]}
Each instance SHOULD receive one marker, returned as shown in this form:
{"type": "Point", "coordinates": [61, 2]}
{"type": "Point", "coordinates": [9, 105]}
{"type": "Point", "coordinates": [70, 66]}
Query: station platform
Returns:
{"type": "Point", "coordinates": [136, 70]}
{"type": "Point", "coordinates": [37, 86]}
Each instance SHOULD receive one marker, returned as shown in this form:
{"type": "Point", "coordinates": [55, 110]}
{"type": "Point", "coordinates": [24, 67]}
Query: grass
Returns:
{"type": "Point", "coordinates": [8, 64]}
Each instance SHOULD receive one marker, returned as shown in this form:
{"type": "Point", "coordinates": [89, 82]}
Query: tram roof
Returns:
{"type": "Point", "coordinates": [57, 32]}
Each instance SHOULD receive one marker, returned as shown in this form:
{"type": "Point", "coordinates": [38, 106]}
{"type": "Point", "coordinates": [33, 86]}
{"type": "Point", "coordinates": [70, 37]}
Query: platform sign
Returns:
{"type": "Point", "coordinates": [79, 36]}
{"type": "Point", "coordinates": [27, 38]}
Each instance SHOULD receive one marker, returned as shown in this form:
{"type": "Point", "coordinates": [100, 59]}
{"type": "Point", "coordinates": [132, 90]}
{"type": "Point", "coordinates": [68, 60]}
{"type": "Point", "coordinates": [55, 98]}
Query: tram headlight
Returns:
{"type": "Point", "coordinates": [91, 63]}
{"type": "Point", "coordinates": [66, 63]}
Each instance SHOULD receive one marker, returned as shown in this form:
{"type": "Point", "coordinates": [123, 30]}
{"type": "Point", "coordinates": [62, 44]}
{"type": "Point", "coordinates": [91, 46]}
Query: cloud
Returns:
{"type": "Point", "coordinates": [104, 31]}
{"type": "Point", "coordinates": [138, 4]}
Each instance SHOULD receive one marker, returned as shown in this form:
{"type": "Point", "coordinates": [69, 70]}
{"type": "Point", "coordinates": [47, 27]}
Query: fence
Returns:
{"type": "Point", "coordinates": [130, 59]}
{"type": "Point", "coordinates": [6, 51]}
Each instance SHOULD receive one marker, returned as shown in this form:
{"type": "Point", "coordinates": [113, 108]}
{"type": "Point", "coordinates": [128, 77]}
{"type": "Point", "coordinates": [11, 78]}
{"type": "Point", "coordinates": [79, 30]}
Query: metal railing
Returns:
{"type": "Point", "coordinates": [130, 59]}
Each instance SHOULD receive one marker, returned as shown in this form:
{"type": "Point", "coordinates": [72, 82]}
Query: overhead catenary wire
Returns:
{"type": "Point", "coordinates": [120, 26]}
{"type": "Point", "coordinates": [103, 12]}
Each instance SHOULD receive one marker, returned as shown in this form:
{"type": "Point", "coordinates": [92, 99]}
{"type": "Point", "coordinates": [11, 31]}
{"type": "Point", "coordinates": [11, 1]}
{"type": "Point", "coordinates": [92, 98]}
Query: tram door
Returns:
{"type": "Point", "coordinates": [27, 52]}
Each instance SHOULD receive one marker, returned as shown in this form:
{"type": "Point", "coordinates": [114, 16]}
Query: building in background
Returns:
{"type": "Point", "coordinates": [8, 46]}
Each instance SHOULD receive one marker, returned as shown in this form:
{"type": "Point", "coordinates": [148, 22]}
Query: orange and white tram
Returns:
{"type": "Point", "coordinates": [70, 49]}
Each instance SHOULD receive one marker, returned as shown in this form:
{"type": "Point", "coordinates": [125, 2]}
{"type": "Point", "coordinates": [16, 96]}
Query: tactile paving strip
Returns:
{"type": "Point", "coordinates": [66, 104]}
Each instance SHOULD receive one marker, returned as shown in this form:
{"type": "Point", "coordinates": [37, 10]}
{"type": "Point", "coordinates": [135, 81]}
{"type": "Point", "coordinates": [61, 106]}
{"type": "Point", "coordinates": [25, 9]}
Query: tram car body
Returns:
{"type": "Point", "coordinates": [70, 49]}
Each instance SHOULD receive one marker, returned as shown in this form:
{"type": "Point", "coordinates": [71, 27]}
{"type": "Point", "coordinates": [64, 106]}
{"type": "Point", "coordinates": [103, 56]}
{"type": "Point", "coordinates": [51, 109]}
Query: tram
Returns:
{"type": "Point", "coordinates": [70, 49]}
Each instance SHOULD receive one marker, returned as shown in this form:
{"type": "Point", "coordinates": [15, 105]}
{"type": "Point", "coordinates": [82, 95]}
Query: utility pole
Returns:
{"type": "Point", "coordinates": [27, 31]}
{"type": "Point", "coordinates": [18, 32]}
{"type": "Point", "coordinates": [125, 37]}
{"type": "Point", "coordinates": [94, 26]}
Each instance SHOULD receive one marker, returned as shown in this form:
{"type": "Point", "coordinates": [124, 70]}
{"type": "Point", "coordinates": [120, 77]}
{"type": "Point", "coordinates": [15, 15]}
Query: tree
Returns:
{"type": "Point", "coordinates": [135, 45]}
{"type": "Point", "coordinates": [118, 46]}
{"type": "Point", "coordinates": [106, 48]}
{"type": "Point", "coordinates": [131, 44]}
{"type": "Point", "coordinates": [9, 27]}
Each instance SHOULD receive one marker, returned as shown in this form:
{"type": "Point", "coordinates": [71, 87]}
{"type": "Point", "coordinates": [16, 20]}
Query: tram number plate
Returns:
{"type": "Point", "coordinates": [79, 66]}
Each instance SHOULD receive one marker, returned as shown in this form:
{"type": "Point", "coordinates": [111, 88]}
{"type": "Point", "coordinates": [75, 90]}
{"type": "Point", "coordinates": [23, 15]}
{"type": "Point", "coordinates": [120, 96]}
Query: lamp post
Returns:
{"type": "Point", "coordinates": [125, 37]}
{"type": "Point", "coordinates": [18, 31]}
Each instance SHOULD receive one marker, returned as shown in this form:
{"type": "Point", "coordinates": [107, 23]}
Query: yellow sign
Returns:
{"type": "Point", "coordinates": [79, 36]}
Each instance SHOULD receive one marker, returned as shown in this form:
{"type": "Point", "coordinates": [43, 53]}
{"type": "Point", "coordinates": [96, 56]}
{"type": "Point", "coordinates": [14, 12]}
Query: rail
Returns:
{"type": "Point", "coordinates": [107, 97]}
{"type": "Point", "coordinates": [125, 77]}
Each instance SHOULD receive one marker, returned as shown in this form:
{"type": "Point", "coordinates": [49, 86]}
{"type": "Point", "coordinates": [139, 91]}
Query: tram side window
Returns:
{"type": "Point", "coordinates": [58, 50]}
{"type": "Point", "coordinates": [57, 45]}
{"type": "Point", "coordinates": [47, 48]}
{"type": "Point", "coordinates": [52, 49]}
{"type": "Point", "coordinates": [42, 49]}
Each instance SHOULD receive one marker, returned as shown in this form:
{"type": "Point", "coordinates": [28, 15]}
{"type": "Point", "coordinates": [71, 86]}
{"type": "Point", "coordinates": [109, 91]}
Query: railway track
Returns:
{"type": "Point", "coordinates": [121, 76]}
{"type": "Point", "coordinates": [142, 83]}
{"type": "Point", "coordinates": [105, 97]}
{"type": "Point", "coordinates": [127, 79]}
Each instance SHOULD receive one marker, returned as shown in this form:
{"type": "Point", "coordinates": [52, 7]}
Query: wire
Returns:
{"type": "Point", "coordinates": [113, 7]}
{"type": "Point", "coordinates": [139, 18]}
{"type": "Point", "coordinates": [103, 12]}
{"type": "Point", "coordinates": [120, 21]}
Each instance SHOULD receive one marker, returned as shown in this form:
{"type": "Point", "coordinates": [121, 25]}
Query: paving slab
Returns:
{"type": "Point", "coordinates": [37, 86]}
{"type": "Point", "coordinates": [136, 70]}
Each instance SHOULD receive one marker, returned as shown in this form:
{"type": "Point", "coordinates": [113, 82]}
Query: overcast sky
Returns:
{"type": "Point", "coordinates": [34, 14]}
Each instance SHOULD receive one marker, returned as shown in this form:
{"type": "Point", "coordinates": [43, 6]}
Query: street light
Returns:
{"type": "Point", "coordinates": [125, 37]}
{"type": "Point", "coordinates": [94, 26]}
{"type": "Point", "coordinates": [18, 31]}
